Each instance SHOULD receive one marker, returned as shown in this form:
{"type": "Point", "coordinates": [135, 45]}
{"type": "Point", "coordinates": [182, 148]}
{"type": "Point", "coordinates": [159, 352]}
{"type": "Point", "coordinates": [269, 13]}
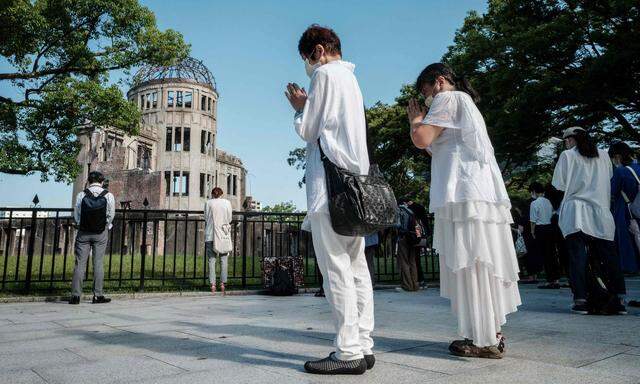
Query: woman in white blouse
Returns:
{"type": "Point", "coordinates": [472, 235]}
{"type": "Point", "coordinates": [584, 172]}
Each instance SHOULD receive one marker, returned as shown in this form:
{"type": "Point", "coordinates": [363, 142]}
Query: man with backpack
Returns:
{"type": "Point", "coordinates": [93, 213]}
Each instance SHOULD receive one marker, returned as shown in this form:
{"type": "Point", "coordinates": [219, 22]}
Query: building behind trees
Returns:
{"type": "Point", "coordinates": [173, 161]}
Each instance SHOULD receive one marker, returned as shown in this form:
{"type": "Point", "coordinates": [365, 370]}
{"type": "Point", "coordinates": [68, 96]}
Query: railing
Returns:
{"type": "Point", "coordinates": [161, 250]}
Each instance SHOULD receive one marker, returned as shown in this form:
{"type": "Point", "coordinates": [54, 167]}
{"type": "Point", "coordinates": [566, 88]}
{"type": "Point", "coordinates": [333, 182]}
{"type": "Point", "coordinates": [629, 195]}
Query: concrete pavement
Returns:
{"type": "Point", "coordinates": [261, 339]}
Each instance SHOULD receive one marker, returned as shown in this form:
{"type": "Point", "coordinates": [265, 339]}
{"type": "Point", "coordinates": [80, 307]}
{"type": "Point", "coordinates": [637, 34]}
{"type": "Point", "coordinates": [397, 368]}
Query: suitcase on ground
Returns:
{"type": "Point", "coordinates": [282, 275]}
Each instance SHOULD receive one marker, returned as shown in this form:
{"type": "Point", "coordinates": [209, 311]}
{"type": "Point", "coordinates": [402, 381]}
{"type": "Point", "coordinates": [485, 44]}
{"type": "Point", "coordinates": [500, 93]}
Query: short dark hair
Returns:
{"type": "Point", "coordinates": [536, 187]}
{"type": "Point", "coordinates": [621, 148]}
{"type": "Point", "coordinates": [217, 192]}
{"type": "Point", "coordinates": [315, 35]}
{"type": "Point", "coordinates": [95, 177]}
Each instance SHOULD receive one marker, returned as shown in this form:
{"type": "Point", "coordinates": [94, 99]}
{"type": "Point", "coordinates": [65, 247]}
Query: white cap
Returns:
{"type": "Point", "coordinates": [572, 131]}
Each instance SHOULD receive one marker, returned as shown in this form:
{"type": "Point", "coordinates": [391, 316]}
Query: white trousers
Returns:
{"type": "Point", "coordinates": [347, 286]}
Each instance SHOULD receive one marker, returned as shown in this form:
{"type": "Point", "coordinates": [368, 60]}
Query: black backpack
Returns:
{"type": "Point", "coordinates": [93, 212]}
{"type": "Point", "coordinates": [406, 224]}
{"type": "Point", "coordinates": [600, 300]}
{"type": "Point", "coordinates": [283, 284]}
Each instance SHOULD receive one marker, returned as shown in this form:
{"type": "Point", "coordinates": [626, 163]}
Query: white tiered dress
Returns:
{"type": "Point", "coordinates": [472, 234]}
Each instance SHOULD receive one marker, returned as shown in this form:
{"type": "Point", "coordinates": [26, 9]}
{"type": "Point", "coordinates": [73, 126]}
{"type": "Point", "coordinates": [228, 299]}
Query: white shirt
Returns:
{"type": "Point", "coordinates": [587, 194]}
{"type": "Point", "coordinates": [541, 211]}
{"type": "Point", "coordinates": [334, 112]}
{"type": "Point", "coordinates": [218, 214]}
{"type": "Point", "coordinates": [96, 189]}
{"type": "Point", "coordinates": [463, 166]}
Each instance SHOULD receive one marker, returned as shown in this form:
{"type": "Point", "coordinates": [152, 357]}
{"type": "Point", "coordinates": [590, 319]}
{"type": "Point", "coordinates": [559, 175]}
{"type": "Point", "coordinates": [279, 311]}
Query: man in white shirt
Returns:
{"type": "Point", "coordinates": [218, 214]}
{"type": "Point", "coordinates": [541, 212]}
{"type": "Point", "coordinates": [332, 115]}
{"type": "Point", "coordinates": [93, 213]}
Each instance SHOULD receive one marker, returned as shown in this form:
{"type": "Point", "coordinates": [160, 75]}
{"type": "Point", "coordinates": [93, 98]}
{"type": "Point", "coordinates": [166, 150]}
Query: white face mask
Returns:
{"type": "Point", "coordinates": [309, 68]}
{"type": "Point", "coordinates": [428, 101]}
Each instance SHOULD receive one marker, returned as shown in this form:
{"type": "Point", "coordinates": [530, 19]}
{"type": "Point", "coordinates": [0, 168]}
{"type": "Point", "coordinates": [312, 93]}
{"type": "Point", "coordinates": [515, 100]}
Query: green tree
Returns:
{"type": "Point", "coordinates": [61, 53]}
{"type": "Point", "coordinates": [405, 167]}
{"type": "Point", "coordinates": [284, 207]}
{"type": "Point", "coordinates": [541, 66]}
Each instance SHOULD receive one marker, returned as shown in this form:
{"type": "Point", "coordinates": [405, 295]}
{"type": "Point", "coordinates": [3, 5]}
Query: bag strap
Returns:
{"type": "Point", "coordinates": [103, 193]}
{"type": "Point", "coordinates": [633, 173]}
{"type": "Point", "coordinates": [324, 157]}
{"type": "Point", "coordinates": [87, 192]}
{"type": "Point", "coordinates": [625, 197]}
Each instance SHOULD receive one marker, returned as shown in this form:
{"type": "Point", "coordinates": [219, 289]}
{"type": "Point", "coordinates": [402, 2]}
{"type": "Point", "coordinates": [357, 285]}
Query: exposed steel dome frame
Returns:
{"type": "Point", "coordinates": [189, 69]}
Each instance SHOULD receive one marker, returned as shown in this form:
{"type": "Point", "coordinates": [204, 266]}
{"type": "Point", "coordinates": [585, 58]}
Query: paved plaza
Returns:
{"type": "Point", "coordinates": [261, 339]}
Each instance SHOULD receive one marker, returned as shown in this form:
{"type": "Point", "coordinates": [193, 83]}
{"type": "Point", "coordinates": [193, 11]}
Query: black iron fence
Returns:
{"type": "Point", "coordinates": [162, 250]}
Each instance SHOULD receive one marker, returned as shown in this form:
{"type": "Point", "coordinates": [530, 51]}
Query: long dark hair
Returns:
{"type": "Point", "coordinates": [431, 73]}
{"type": "Point", "coordinates": [586, 146]}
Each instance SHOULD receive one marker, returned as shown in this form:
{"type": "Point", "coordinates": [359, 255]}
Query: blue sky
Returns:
{"type": "Point", "coordinates": [251, 48]}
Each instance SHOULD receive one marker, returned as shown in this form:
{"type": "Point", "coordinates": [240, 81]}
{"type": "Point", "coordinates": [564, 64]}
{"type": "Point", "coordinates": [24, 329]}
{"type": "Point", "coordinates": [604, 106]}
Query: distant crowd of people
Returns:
{"type": "Point", "coordinates": [580, 225]}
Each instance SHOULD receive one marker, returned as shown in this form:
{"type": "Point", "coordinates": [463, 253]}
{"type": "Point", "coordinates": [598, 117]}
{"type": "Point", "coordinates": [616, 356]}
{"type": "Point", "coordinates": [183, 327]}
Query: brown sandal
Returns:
{"type": "Point", "coordinates": [466, 348]}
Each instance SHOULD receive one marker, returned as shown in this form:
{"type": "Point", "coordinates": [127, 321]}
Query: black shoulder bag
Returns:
{"type": "Point", "coordinates": [358, 204]}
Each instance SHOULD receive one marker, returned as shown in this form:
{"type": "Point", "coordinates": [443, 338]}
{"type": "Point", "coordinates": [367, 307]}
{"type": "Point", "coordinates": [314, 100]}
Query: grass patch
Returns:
{"type": "Point", "coordinates": [179, 272]}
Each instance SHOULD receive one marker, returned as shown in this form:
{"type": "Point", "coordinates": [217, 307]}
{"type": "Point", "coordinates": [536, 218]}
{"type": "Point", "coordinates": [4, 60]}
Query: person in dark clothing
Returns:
{"type": "Point", "coordinates": [320, 293]}
{"type": "Point", "coordinates": [555, 197]}
{"type": "Point", "coordinates": [422, 218]}
{"type": "Point", "coordinates": [407, 251]}
{"type": "Point", "coordinates": [371, 243]}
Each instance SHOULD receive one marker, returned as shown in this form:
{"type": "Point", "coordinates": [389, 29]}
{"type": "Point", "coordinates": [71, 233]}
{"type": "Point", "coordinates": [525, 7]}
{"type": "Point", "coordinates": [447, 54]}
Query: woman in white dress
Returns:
{"type": "Point", "coordinates": [472, 235]}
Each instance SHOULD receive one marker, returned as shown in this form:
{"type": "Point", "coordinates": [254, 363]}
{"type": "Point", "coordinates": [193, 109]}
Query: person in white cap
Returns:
{"type": "Point", "coordinates": [584, 172]}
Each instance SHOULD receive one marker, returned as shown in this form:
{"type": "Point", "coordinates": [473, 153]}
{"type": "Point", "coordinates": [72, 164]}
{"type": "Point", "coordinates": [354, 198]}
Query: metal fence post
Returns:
{"type": "Point", "coordinates": [143, 251]}
{"type": "Point", "coordinates": [244, 251]}
{"type": "Point", "coordinates": [30, 249]}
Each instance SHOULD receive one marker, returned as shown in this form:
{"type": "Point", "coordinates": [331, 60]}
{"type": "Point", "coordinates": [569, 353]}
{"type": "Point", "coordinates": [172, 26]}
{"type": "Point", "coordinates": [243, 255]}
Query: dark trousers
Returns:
{"type": "Point", "coordinates": [604, 252]}
{"type": "Point", "coordinates": [407, 265]}
{"type": "Point", "coordinates": [419, 264]}
{"type": "Point", "coordinates": [561, 246]}
{"type": "Point", "coordinates": [369, 254]}
{"type": "Point", "coordinates": [533, 261]}
{"type": "Point", "coordinates": [546, 247]}
{"type": "Point", "coordinates": [320, 279]}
